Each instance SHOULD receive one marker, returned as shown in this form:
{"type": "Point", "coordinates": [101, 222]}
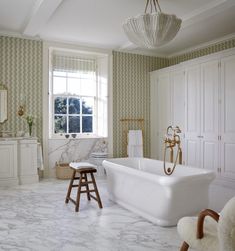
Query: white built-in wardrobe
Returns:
{"type": "Point", "coordinates": [199, 97]}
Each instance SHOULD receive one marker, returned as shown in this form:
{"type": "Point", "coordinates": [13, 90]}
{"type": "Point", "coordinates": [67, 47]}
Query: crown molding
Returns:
{"type": "Point", "coordinates": [18, 35]}
{"type": "Point", "coordinates": [203, 45]}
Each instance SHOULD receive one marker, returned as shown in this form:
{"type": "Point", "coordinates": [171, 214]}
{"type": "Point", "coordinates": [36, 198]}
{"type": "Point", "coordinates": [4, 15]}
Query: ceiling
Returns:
{"type": "Point", "coordinates": [98, 23]}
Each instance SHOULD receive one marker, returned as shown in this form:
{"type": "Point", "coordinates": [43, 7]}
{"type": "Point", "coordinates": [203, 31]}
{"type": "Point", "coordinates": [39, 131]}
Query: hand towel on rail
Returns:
{"type": "Point", "coordinates": [135, 137]}
{"type": "Point", "coordinates": [135, 143]}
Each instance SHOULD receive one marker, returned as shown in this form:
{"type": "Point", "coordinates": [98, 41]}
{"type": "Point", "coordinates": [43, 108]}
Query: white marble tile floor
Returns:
{"type": "Point", "coordinates": [35, 217]}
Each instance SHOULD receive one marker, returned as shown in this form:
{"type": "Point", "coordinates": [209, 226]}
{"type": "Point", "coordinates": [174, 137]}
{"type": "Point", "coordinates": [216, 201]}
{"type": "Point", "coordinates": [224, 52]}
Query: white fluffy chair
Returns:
{"type": "Point", "coordinates": [213, 233]}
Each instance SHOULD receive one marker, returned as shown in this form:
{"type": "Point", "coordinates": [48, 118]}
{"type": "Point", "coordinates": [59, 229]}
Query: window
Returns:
{"type": "Point", "coordinates": [78, 96]}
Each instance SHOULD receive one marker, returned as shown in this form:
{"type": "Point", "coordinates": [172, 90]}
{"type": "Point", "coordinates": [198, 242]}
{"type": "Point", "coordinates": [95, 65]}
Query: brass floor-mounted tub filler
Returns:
{"type": "Point", "coordinates": [172, 139]}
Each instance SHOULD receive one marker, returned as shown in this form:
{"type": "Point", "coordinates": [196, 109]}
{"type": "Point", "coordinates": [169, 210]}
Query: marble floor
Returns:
{"type": "Point", "coordinates": [35, 217]}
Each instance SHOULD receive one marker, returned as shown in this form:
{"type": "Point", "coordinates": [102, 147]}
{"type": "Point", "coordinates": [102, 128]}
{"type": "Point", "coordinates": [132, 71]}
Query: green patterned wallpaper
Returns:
{"type": "Point", "coordinates": [21, 73]}
{"type": "Point", "coordinates": [131, 95]}
{"type": "Point", "coordinates": [202, 52]}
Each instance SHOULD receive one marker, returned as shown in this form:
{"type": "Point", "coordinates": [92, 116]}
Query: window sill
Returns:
{"type": "Point", "coordinates": [77, 138]}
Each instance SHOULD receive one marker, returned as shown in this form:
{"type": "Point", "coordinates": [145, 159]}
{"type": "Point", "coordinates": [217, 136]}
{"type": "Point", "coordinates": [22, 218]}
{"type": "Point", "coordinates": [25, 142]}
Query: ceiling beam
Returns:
{"type": "Point", "coordinates": [41, 13]}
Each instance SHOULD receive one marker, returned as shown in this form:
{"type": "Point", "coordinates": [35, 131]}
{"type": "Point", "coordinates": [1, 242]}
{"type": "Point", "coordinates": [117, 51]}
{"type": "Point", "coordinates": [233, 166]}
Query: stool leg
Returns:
{"type": "Point", "coordinates": [78, 193]}
{"type": "Point", "coordinates": [87, 187]}
{"type": "Point", "coordinates": [70, 187]}
{"type": "Point", "coordinates": [96, 191]}
{"type": "Point", "coordinates": [184, 246]}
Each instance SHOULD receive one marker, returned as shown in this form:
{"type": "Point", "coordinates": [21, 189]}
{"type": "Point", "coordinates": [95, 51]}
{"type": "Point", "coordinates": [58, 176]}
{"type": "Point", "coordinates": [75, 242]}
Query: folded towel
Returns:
{"type": "Point", "coordinates": [78, 165]}
{"type": "Point", "coordinates": [135, 151]}
{"type": "Point", "coordinates": [135, 137]}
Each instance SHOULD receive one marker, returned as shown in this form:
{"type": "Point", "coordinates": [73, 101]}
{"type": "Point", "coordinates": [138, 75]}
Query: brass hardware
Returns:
{"type": "Point", "coordinates": [171, 140]}
{"type": "Point", "coordinates": [21, 110]}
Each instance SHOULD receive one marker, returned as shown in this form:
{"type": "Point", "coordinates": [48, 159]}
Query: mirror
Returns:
{"type": "Point", "coordinates": [3, 103]}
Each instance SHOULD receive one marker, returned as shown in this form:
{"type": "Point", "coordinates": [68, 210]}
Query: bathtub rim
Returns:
{"type": "Point", "coordinates": [206, 174]}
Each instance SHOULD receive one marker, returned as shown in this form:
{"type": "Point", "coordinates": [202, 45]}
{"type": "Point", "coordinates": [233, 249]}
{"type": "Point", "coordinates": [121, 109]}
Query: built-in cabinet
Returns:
{"type": "Point", "coordinates": [8, 165]}
{"type": "Point", "coordinates": [199, 96]}
{"type": "Point", "coordinates": [18, 161]}
{"type": "Point", "coordinates": [227, 113]}
{"type": "Point", "coordinates": [167, 103]}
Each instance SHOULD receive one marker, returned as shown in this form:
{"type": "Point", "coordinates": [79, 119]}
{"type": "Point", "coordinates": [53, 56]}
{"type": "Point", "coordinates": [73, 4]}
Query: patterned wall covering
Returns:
{"type": "Point", "coordinates": [21, 73]}
{"type": "Point", "coordinates": [202, 52]}
{"type": "Point", "coordinates": [131, 95]}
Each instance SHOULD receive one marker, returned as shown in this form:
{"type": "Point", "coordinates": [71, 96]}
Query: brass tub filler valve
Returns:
{"type": "Point", "coordinates": [172, 139]}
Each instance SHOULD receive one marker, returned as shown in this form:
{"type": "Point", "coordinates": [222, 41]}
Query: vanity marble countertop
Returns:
{"type": "Point", "coordinates": [17, 138]}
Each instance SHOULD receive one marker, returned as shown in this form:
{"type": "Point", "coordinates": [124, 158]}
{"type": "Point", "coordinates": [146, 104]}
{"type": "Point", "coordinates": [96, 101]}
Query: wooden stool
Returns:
{"type": "Point", "coordinates": [83, 168]}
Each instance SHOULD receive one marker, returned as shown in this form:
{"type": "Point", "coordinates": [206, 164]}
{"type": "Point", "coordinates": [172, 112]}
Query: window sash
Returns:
{"type": "Point", "coordinates": [80, 114]}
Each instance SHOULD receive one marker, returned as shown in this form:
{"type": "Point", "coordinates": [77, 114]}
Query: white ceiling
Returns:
{"type": "Point", "coordinates": [98, 23]}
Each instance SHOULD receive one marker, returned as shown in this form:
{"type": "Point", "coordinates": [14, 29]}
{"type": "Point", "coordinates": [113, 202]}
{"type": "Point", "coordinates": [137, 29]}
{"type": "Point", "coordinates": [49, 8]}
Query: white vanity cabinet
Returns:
{"type": "Point", "coordinates": [27, 156]}
{"type": "Point", "coordinates": [18, 161]}
{"type": "Point", "coordinates": [199, 96]}
{"type": "Point", "coordinates": [8, 163]}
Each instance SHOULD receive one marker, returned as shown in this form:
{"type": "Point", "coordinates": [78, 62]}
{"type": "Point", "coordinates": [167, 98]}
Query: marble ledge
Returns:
{"type": "Point", "coordinates": [17, 138]}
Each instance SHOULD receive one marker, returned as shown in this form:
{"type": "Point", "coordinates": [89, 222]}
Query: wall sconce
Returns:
{"type": "Point", "coordinates": [21, 110]}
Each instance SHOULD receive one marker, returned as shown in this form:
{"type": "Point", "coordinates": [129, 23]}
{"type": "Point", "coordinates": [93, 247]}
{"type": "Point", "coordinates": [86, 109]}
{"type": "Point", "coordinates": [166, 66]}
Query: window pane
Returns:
{"type": "Point", "coordinates": [74, 124]}
{"type": "Point", "coordinates": [74, 105]}
{"type": "Point", "coordinates": [88, 87]}
{"type": "Point", "coordinates": [87, 123]}
{"type": "Point", "coordinates": [59, 73]}
{"type": "Point", "coordinates": [87, 105]}
{"type": "Point", "coordinates": [59, 85]}
{"type": "Point", "coordinates": [60, 124]}
{"type": "Point", "coordinates": [73, 86]}
{"type": "Point", "coordinates": [60, 105]}
{"type": "Point", "coordinates": [74, 74]}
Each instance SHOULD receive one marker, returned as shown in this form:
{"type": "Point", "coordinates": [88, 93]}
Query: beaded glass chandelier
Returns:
{"type": "Point", "coordinates": [153, 29]}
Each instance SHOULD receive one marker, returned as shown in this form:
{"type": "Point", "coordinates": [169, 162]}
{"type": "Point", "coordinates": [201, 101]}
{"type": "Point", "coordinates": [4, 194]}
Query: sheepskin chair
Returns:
{"type": "Point", "coordinates": [209, 231]}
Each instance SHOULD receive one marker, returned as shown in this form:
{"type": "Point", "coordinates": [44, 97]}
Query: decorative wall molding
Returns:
{"type": "Point", "coordinates": [204, 45]}
{"type": "Point", "coordinates": [224, 45]}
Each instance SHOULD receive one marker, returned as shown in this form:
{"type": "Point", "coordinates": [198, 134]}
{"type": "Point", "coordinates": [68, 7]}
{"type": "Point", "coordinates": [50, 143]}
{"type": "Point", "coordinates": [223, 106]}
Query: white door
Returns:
{"type": "Point", "coordinates": [178, 103]}
{"type": "Point", "coordinates": [192, 116]}
{"type": "Point", "coordinates": [163, 110]}
{"type": "Point", "coordinates": [209, 115]}
{"type": "Point", "coordinates": [227, 146]}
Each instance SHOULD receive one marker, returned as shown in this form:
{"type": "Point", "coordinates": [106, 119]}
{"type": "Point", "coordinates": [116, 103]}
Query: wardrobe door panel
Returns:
{"type": "Point", "coordinates": [228, 116]}
{"type": "Point", "coordinates": [192, 116]}
{"type": "Point", "coordinates": [209, 115]}
{"type": "Point", "coordinates": [178, 103]}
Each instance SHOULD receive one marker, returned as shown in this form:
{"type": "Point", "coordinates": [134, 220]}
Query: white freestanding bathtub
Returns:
{"type": "Point", "coordinates": [140, 185]}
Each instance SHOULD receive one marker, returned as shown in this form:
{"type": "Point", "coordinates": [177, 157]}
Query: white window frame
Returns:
{"type": "Point", "coordinates": [81, 97]}
{"type": "Point", "coordinates": [95, 133]}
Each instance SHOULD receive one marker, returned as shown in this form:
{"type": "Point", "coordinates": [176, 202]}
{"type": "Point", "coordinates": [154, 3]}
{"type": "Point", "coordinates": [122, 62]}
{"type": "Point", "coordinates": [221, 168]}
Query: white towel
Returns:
{"type": "Point", "coordinates": [135, 137]}
{"type": "Point", "coordinates": [135, 143]}
{"type": "Point", "coordinates": [135, 151]}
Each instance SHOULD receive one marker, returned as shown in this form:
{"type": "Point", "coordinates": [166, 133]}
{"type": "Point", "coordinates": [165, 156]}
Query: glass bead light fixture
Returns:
{"type": "Point", "coordinates": [153, 29]}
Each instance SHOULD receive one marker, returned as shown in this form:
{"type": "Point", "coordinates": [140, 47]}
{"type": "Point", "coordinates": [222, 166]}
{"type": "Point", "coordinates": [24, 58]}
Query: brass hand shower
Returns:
{"type": "Point", "coordinates": [171, 140]}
